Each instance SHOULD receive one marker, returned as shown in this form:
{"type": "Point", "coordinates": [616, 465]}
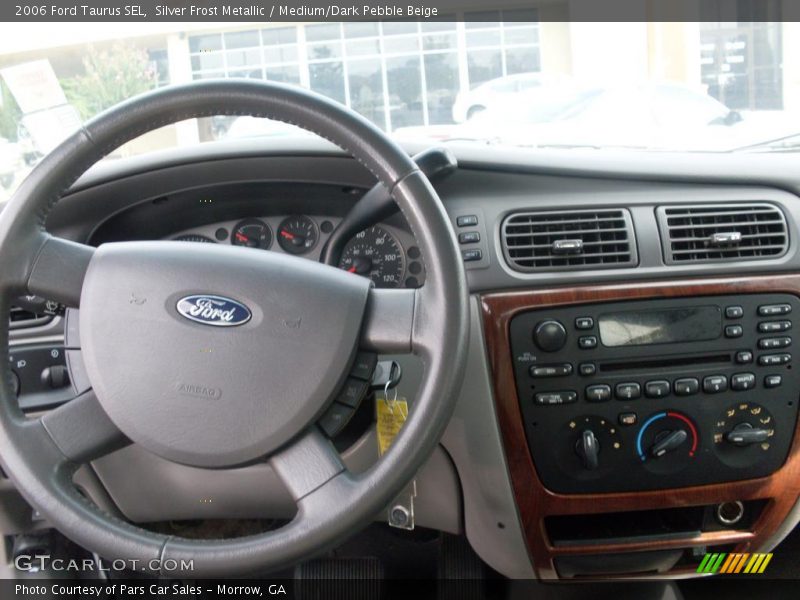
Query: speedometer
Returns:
{"type": "Point", "coordinates": [375, 253]}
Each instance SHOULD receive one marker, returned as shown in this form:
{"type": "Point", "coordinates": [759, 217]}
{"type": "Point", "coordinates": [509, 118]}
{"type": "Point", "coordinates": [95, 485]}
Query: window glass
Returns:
{"type": "Point", "coordinates": [484, 65]}
{"type": "Point", "coordinates": [242, 39]}
{"type": "Point", "coordinates": [522, 60]}
{"type": "Point", "coordinates": [441, 75]}
{"type": "Point", "coordinates": [366, 88]}
{"type": "Point", "coordinates": [279, 35]}
{"type": "Point", "coordinates": [287, 74]}
{"type": "Point", "coordinates": [404, 79]}
{"type": "Point", "coordinates": [327, 78]}
{"type": "Point", "coordinates": [360, 29]}
{"type": "Point", "coordinates": [324, 31]}
{"type": "Point", "coordinates": [324, 51]}
{"type": "Point", "coordinates": [205, 43]}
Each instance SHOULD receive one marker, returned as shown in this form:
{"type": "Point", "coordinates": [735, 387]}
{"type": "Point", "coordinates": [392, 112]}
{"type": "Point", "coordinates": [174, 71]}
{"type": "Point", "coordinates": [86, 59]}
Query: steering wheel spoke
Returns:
{"type": "Point", "coordinates": [82, 430]}
{"type": "Point", "coordinates": [307, 464]}
{"type": "Point", "coordinates": [389, 320]}
{"type": "Point", "coordinates": [59, 270]}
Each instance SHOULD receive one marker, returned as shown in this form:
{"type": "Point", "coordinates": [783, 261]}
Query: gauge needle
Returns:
{"type": "Point", "coordinates": [352, 269]}
{"type": "Point", "coordinates": [287, 235]}
{"type": "Point", "coordinates": [242, 237]}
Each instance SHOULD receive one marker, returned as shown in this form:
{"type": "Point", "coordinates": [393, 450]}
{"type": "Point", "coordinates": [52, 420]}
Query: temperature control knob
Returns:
{"type": "Point", "coordinates": [667, 441]}
{"type": "Point", "coordinates": [550, 335]}
{"type": "Point", "coordinates": [588, 449]}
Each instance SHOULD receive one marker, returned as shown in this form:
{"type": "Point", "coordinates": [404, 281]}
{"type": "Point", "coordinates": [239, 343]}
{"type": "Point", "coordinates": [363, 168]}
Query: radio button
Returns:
{"type": "Point", "coordinates": [733, 331]}
{"type": "Point", "coordinates": [770, 360]}
{"type": "Point", "coordinates": [744, 357]}
{"type": "Point", "coordinates": [627, 419]}
{"type": "Point", "coordinates": [551, 370]}
{"type": "Point", "coordinates": [771, 310]}
{"type": "Point", "coordinates": [734, 312]}
{"type": "Point", "coordinates": [628, 391]}
{"type": "Point", "coordinates": [714, 384]}
{"type": "Point", "coordinates": [587, 342]}
{"type": "Point", "coordinates": [586, 369]}
{"type": "Point", "coordinates": [773, 343]}
{"type": "Point", "coordinates": [686, 387]}
{"type": "Point", "coordinates": [656, 389]}
{"type": "Point", "coordinates": [598, 393]}
{"type": "Point", "coordinates": [774, 326]}
{"type": "Point", "coordinates": [772, 381]}
{"type": "Point", "coordinates": [584, 323]}
{"type": "Point", "coordinates": [743, 381]}
{"type": "Point", "coordinates": [555, 397]}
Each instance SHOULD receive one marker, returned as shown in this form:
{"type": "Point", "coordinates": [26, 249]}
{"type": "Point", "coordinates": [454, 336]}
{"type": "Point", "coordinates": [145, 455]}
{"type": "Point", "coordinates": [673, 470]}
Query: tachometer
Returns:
{"type": "Point", "coordinates": [297, 235]}
{"type": "Point", "coordinates": [375, 253]}
{"type": "Point", "coordinates": [252, 233]}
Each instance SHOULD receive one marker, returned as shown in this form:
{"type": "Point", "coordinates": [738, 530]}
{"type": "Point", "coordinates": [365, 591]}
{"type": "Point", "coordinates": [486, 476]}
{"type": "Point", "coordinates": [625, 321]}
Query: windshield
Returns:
{"type": "Point", "coordinates": [505, 78]}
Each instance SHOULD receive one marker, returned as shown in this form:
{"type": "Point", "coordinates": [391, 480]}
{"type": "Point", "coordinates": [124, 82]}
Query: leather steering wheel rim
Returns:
{"type": "Point", "coordinates": [42, 454]}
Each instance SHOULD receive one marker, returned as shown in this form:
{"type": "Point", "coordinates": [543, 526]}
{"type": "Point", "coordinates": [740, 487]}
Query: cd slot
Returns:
{"type": "Point", "coordinates": [664, 363]}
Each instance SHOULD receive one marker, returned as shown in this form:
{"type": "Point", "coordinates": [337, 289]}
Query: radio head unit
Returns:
{"type": "Point", "coordinates": [657, 394]}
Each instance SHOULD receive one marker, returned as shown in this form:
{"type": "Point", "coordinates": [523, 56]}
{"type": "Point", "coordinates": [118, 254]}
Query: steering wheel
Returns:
{"type": "Point", "coordinates": [217, 356]}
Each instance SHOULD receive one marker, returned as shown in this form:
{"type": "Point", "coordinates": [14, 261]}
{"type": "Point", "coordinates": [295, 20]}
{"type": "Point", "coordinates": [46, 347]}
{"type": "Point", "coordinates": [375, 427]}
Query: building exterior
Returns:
{"type": "Point", "coordinates": [401, 74]}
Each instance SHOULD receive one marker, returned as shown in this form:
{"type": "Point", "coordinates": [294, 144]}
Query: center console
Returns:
{"type": "Point", "coordinates": [657, 394]}
{"type": "Point", "coordinates": [648, 423]}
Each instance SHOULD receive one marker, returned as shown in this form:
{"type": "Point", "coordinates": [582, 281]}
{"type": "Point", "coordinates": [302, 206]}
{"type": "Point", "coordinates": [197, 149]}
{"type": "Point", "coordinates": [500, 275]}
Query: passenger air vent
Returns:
{"type": "Point", "coordinates": [569, 240]}
{"type": "Point", "coordinates": [716, 233]}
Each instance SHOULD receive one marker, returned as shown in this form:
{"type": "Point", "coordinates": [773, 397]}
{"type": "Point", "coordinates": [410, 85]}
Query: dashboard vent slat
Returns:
{"type": "Point", "coordinates": [757, 231]}
{"type": "Point", "coordinates": [594, 239]}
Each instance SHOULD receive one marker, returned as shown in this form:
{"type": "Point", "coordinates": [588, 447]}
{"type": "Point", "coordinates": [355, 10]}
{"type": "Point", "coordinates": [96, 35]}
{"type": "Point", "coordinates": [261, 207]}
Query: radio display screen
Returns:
{"type": "Point", "coordinates": [639, 328]}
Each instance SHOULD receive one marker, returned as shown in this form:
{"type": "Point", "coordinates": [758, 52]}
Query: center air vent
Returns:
{"type": "Point", "coordinates": [569, 240]}
{"type": "Point", "coordinates": [722, 232]}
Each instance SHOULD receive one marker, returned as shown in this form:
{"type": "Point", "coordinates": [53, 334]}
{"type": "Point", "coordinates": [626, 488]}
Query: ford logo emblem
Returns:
{"type": "Point", "coordinates": [216, 311]}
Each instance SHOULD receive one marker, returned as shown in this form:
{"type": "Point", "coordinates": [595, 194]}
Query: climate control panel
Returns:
{"type": "Point", "coordinates": [654, 394]}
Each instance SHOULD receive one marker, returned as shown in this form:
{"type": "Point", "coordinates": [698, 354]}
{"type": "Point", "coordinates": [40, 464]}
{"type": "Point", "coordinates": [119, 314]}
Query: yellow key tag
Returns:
{"type": "Point", "coordinates": [390, 415]}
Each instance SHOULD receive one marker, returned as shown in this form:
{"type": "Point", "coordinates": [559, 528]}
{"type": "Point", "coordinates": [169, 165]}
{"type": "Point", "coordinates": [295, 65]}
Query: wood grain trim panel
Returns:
{"type": "Point", "coordinates": [535, 502]}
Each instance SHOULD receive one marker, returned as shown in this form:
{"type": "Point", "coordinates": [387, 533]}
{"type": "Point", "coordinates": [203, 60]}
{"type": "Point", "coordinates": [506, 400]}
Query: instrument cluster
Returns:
{"type": "Point", "coordinates": [386, 254]}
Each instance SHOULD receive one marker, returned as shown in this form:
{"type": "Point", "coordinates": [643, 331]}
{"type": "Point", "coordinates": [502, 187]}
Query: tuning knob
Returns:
{"type": "Point", "coordinates": [745, 434]}
{"type": "Point", "coordinates": [667, 442]}
{"type": "Point", "coordinates": [588, 449]}
{"type": "Point", "coordinates": [550, 335]}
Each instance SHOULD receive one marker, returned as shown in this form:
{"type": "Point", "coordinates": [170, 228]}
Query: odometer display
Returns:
{"type": "Point", "coordinates": [375, 253]}
{"type": "Point", "coordinates": [194, 237]}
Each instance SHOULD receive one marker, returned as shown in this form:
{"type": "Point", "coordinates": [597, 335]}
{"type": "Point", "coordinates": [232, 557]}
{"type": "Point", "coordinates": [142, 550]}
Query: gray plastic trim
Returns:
{"type": "Point", "coordinates": [473, 440]}
{"type": "Point", "coordinates": [499, 194]}
{"type": "Point", "coordinates": [146, 488]}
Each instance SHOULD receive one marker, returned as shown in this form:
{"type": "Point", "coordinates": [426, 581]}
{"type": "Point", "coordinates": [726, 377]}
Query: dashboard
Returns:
{"type": "Point", "coordinates": [630, 398]}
